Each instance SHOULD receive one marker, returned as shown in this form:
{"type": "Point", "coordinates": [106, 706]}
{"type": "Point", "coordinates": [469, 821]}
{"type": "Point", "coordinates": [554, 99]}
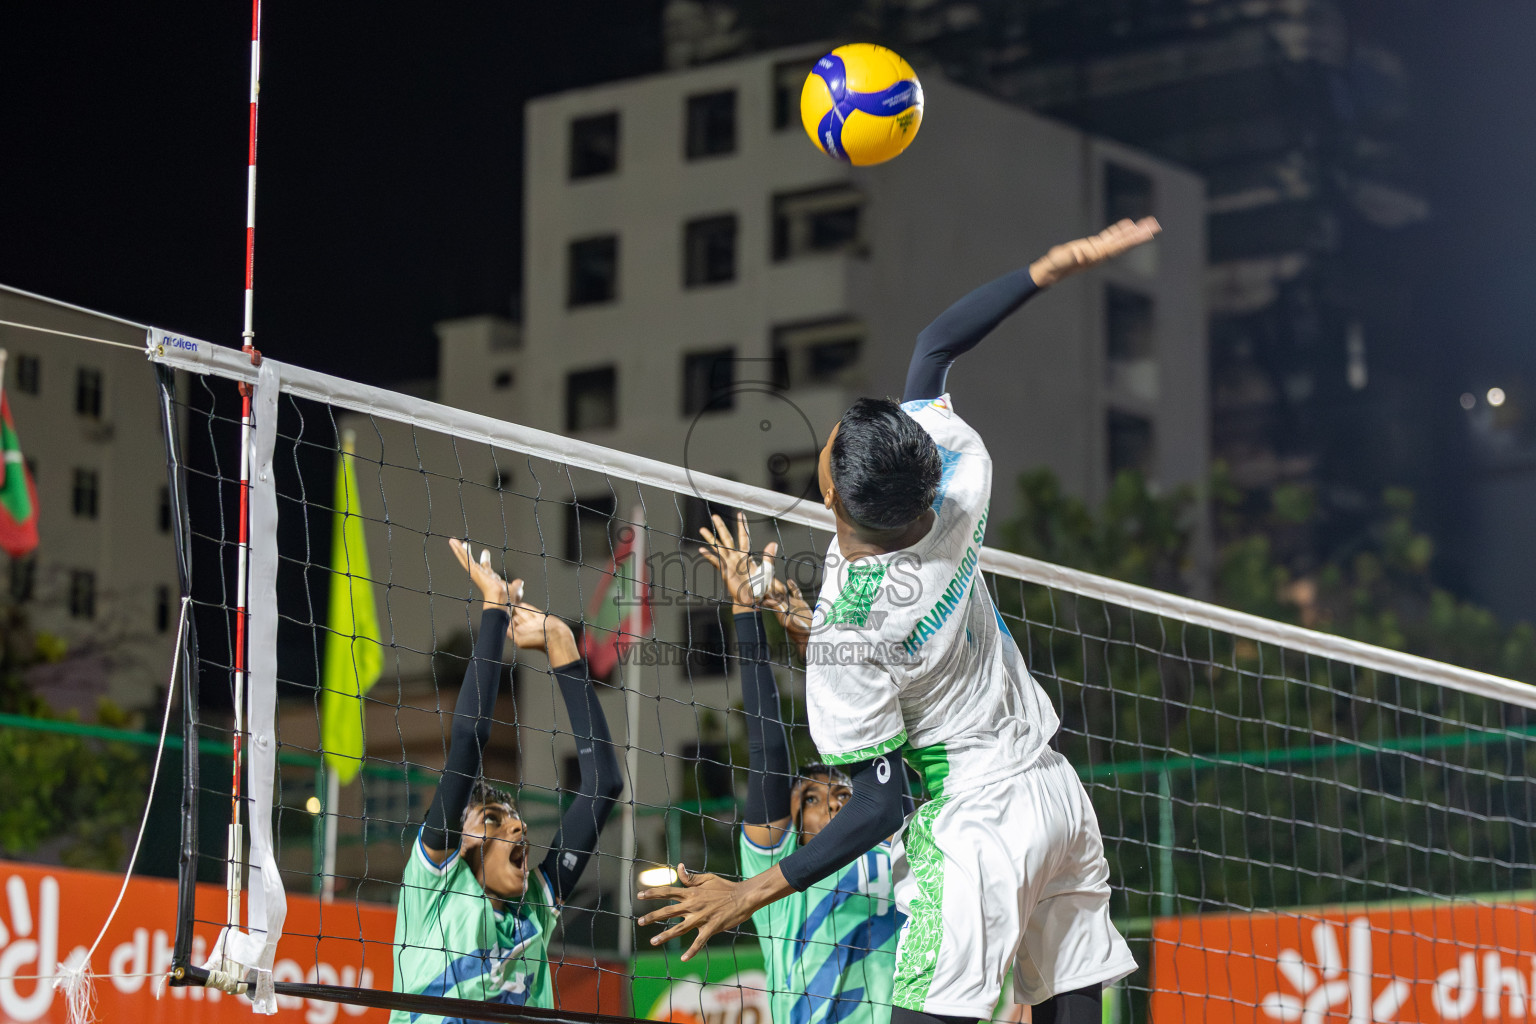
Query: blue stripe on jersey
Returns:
{"type": "Point", "coordinates": [1000, 623]}
{"type": "Point", "coordinates": [950, 461]}
{"type": "Point", "coordinates": [461, 969]}
{"type": "Point", "coordinates": [846, 887]}
{"type": "Point", "coordinates": [821, 989]}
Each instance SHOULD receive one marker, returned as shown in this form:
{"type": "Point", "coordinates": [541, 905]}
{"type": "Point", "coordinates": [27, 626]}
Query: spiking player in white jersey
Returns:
{"type": "Point", "coordinates": [1003, 867]}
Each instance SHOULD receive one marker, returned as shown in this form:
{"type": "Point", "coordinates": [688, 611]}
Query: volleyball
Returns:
{"type": "Point", "coordinates": [862, 103]}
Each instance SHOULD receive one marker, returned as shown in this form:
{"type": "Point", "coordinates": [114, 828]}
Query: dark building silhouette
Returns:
{"type": "Point", "coordinates": [1294, 114]}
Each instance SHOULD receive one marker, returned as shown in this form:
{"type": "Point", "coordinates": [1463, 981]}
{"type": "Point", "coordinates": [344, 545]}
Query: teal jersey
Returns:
{"type": "Point", "coordinates": [829, 952]}
{"type": "Point", "coordinates": [451, 941]}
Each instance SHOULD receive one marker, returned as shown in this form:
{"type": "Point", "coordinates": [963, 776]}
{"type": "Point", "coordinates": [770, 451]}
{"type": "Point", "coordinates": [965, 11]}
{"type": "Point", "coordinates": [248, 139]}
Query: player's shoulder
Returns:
{"type": "Point", "coordinates": [433, 869]}
{"type": "Point", "coordinates": [945, 426]}
{"type": "Point", "coordinates": [754, 854]}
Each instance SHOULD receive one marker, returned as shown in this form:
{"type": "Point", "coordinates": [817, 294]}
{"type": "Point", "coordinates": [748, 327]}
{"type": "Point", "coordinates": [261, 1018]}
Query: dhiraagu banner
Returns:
{"type": "Point", "coordinates": [722, 985]}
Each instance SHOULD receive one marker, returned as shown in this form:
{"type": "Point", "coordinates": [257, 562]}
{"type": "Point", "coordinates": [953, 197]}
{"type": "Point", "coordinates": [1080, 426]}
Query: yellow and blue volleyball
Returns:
{"type": "Point", "coordinates": [862, 103]}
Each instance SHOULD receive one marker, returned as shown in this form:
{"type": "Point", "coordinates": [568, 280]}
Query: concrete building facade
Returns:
{"type": "Point", "coordinates": [704, 287]}
{"type": "Point", "coordinates": [103, 578]}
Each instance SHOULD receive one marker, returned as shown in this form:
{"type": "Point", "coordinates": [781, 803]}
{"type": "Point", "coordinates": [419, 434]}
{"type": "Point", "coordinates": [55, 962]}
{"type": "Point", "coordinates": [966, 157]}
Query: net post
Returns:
{"type": "Point", "coordinates": [332, 811]}
{"type": "Point", "coordinates": [317, 833]}
{"type": "Point", "coordinates": [1165, 840]}
{"type": "Point", "coordinates": [191, 776]}
{"type": "Point", "coordinates": [635, 626]}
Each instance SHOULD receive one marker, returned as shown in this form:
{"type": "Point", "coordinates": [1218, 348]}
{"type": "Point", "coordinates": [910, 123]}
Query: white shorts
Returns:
{"type": "Point", "coordinates": [1008, 875]}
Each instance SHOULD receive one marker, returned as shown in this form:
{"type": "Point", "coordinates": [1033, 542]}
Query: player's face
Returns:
{"type": "Point", "coordinates": [496, 845]}
{"type": "Point", "coordinates": [816, 802]}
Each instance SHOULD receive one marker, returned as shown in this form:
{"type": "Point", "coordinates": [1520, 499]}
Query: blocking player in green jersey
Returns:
{"type": "Point", "coordinates": [830, 951]}
{"type": "Point", "coordinates": [475, 919]}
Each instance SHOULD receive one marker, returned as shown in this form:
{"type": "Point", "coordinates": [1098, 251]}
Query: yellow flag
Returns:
{"type": "Point", "coordinates": [354, 653]}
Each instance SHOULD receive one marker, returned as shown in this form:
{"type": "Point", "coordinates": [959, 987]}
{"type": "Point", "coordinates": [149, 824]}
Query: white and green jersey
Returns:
{"type": "Point", "coordinates": [829, 952]}
{"type": "Point", "coordinates": [908, 649]}
{"type": "Point", "coordinates": [451, 941]}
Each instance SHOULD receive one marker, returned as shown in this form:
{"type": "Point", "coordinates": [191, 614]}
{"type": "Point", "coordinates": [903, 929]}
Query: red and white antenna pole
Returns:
{"type": "Point", "coordinates": [236, 838]}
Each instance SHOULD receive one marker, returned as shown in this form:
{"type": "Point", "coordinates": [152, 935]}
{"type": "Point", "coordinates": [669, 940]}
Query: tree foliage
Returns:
{"type": "Point", "coordinates": [72, 795]}
{"type": "Point", "coordinates": [1279, 779]}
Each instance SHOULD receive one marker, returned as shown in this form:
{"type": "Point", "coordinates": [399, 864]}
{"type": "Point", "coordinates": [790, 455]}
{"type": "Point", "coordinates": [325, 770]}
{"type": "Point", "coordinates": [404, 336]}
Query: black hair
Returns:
{"type": "Point", "coordinates": [485, 795]}
{"type": "Point", "coordinates": [884, 465]}
{"type": "Point", "coordinates": [835, 775]}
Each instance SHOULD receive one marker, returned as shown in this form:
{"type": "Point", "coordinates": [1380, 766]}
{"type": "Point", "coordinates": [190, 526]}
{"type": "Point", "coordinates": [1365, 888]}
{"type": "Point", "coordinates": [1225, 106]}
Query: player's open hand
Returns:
{"type": "Point", "coordinates": [1071, 257]}
{"type": "Point", "coordinates": [705, 902]}
{"type": "Point", "coordinates": [794, 612]}
{"type": "Point", "coordinates": [493, 589]}
{"type": "Point", "coordinates": [533, 629]}
{"type": "Point", "coordinates": [732, 557]}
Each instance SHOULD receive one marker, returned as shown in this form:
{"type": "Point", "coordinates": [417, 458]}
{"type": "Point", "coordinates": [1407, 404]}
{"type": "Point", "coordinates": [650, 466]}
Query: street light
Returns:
{"type": "Point", "coordinates": [1468, 400]}
{"type": "Point", "coordinates": [312, 805]}
{"type": "Point", "coordinates": [1495, 397]}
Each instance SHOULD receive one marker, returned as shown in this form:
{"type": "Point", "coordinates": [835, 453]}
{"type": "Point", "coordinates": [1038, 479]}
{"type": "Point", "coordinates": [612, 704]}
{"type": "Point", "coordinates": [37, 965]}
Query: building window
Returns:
{"type": "Point", "coordinates": [23, 578]}
{"type": "Point", "coordinates": [594, 271]}
{"type": "Point", "coordinates": [796, 475]}
{"type": "Point", "coordinates": [88, 393]}
{"type": "Point", "coordinates": [1130, 444]}
{"type": "Point", "coordinates": [594, 145]}
{"type": "Point", "coordinates": [28, 374]}
{"type": "Point", "coordinates": [82, 594]}
{"type": "Point", "coordinates": [591, 399]}
{"type": "Point", "coordinates": [1130, 343]}
{"type": "Point", "coordinates": [819, 220]}
{"type": "Point", "coordinates": [697, 513]}
{"type": "Point", "coordinates": [704, 639]}
{"type": "Point", "coordinates": [712, 124]}
{"type": "Point", "coordinates": [503, 380]}
{"type": "Point", "coordinates": [709, 381]}
{"type": "Point", "coordinates": [162, 608]}
{"type": "Point", "coordinates": [588, 526]}
{"type": "Point", "coordinates": [86, 493]}
{"type": "Point", "coordinates": [1127, 193]}
{"type": "Point", "coordinates": [825, 352]}
{"type": "Point", "coordinates": [709, 250]}
{"type": "Point", "coordinates": [165, 510]}
{"type": "Point", "coordinates": [788, 82]}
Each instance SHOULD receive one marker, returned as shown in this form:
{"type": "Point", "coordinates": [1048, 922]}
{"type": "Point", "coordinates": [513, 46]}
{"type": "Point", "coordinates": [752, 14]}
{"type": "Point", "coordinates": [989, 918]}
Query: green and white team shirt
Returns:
{"type": "Point", "coordinates": [830, 951]}
{"type": "Point", "coordinates": [451, 941]}
{"type": "Point", "coordinates": [909, 650]}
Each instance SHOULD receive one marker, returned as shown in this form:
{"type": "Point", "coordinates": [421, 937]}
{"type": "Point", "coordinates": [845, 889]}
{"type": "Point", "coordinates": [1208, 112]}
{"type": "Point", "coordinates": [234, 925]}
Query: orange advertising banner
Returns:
{"type": "Point", "coordinates": [1377, 964]}
{"type": "Point", "coordinates": [47, 914]}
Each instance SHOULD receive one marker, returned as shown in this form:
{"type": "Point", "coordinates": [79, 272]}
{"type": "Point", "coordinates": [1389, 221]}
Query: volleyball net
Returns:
{"type": "Point", "coordinates": [1297, 825]}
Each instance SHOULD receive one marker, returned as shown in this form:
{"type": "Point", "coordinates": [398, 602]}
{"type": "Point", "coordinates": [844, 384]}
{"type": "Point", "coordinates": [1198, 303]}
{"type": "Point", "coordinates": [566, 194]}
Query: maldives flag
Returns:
{"type": "Point", "coordinates": [611, 621]}
{"type": "Point", "coordinates": [18, 494]}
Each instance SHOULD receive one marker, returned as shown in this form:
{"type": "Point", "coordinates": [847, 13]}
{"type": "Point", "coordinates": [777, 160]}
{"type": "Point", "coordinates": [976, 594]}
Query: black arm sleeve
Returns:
{"type": "Point", "coordinates": [960, 328]}
{"type": "Point", "coordinates": [596, 793]}
{"type": "Point", "coordinates": [470, 732]}
{"type": "Point", "coordinates": [768, 781]}
{"type": "Point", "coordinates": [873, 813]}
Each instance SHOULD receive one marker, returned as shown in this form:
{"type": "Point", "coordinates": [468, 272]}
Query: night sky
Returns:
{"type": "Point", "coordinates": [390, 193]}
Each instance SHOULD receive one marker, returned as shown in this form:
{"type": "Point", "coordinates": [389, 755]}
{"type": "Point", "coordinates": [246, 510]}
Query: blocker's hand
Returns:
{"type": "Point", "coordinates": [1072, 257]}
{"type": "Point", "coordinates": [708, 903]}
